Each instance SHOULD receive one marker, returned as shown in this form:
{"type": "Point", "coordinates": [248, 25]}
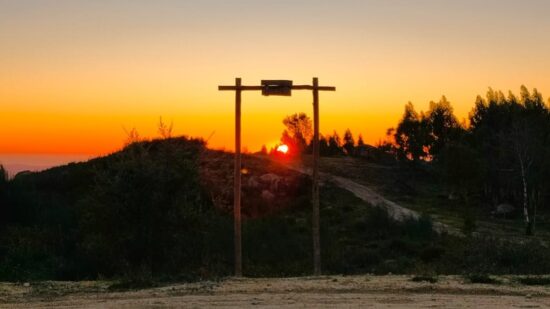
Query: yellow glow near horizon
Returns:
{"type": "Point", "coordinates": [74, 74]}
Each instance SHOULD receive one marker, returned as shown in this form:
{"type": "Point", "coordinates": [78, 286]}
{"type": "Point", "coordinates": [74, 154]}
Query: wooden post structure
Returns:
{"type": "Point", "coordinates": [237, 183]}
{"type": "Point", "coordinates": [277, 87]}
{"type": "Point", "coordinates": [315, 188]}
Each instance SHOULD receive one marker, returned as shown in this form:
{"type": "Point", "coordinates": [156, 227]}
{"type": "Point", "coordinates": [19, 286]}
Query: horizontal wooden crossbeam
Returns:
{"type": "Point", "coordinates": [259, 88]}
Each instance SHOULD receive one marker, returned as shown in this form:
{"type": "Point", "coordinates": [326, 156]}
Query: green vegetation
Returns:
{"type": "Point", "coordinates": [534, 280]}
{"type": "Point", "coordinates": [143, 215]}
{"type": "Point", "coordinates": [482, 278]}
{"type": "Point", "coordinates": [500, 158]}
{"type": "Point", "coordinates": [139, 213]}
{"type": "Point", "coordinates": [494, 164]}
{"type": "Point", "coordinates": [425, 278]}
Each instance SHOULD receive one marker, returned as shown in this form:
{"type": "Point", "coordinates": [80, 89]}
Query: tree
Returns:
{"type": "Point", "coordinates": [324, 149]}
{"type": "Point", "coordinates": [349, 143]}
{"type": "Point", "coordinates": [527, 140]}
{"type": "Point", "coordinates": [334, 144]}
{"type": "Point", "coordinates": [292, 143]}
{"type": "Point", "coordinates": [424, 136]}
{"type": "Point", "coordinates": [460, 166]}
{"type": "Point", "coordinates": [442, 126]}
{"type": "Point", "coordinates": [512, 136]}
{"type": "Point", "coordinates": [263, 150]}
{"type": "Point", "coordinates": [410, 136]}
{"type": "Point", "coordinates": [3, 176]}
{"type": "Point", "coordinates": [360, 142]}
{"type": "Point", "coordinates": [298, 131]}
{"type": "Point", "coordinates": [3, 191]}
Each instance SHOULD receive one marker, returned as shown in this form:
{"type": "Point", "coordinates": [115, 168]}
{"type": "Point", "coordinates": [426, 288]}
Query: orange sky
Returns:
{"type": "Point", "coordinates": [74, 74]}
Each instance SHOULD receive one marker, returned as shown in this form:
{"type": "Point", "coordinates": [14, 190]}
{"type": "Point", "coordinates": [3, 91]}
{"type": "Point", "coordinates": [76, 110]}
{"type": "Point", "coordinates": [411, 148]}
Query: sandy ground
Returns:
{"type": "Point", "coordinates": [305, 292]}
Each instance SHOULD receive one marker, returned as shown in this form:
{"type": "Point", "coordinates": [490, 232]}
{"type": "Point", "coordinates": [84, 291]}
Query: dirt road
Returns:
{"type": "Point", "coordinates": [305, 292]}
{"type": "Point", "coordinates": [395, 211]}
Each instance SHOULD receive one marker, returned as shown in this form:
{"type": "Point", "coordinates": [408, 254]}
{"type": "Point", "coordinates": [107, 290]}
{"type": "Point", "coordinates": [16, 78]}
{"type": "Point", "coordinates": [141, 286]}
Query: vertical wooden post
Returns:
{"type": "Point", "coordinates": [315, 188]}
{"type": "Point", "coordinates": [237, 182]}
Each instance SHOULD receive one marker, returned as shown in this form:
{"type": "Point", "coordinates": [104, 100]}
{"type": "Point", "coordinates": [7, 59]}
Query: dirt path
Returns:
{"type": "Point", "coordinates": [395, 211]}
{"type": "Point", "coordinates": [308, 292]}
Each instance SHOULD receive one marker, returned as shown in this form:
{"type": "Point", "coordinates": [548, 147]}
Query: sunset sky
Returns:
{"type": "Point", "coordinates": [74, 75]}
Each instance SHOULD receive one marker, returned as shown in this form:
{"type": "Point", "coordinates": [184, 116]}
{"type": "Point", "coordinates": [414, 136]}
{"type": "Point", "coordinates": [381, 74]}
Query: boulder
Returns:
{"type": "Point", "coordinates": [272, 180]}
{"type": "Point", "coordinates": [267, 195]}
{"type": "Point", "coordinates": [253, 182]}
{"type": "Point", "coordinates": [503, 210]}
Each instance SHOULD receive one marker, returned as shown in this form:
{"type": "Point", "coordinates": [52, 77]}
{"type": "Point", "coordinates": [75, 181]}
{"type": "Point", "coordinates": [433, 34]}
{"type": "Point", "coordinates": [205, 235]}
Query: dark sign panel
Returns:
{"type": "Point", "coordinates": [276, 87]}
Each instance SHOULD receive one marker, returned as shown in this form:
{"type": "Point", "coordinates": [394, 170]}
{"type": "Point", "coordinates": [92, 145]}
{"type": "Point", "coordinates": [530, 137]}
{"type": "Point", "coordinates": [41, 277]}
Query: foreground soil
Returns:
{"type": "Point", "coordinates": [310, 292]}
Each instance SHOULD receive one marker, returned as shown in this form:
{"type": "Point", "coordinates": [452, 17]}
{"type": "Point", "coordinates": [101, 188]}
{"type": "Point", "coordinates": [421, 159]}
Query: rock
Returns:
{"type": "Point", "coordinates": [504, 209]}
{"type": "Point", "coordinates": [272, 180]}
{"type": "Point", "coordinates": [267, 195]}
{"type": "Point", "coordinates": [453, 196]}
{"type": "Point", "coordinates": [26, 284]}
{"type": "Point", "coordinates": [270, 177]}
{"type": "Point", "coordinates": [253, 182]}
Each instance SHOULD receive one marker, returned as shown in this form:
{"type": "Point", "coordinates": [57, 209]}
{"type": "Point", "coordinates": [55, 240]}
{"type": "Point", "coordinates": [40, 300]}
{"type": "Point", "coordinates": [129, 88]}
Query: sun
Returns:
{"type": "Point", "coordinates": [282, 148]}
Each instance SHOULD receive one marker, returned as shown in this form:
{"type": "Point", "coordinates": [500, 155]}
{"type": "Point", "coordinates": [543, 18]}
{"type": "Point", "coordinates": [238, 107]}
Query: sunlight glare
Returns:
{"type": "Point", "coordinates": [282, 148]}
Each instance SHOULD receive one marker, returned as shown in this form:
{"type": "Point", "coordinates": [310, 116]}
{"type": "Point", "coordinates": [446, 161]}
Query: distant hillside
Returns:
{"type": "Point", "coordinates": [15, 163]}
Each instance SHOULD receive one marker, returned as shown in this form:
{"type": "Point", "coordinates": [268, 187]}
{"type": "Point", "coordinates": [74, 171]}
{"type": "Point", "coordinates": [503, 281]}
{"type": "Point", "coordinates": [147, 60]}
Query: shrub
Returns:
{"type": "Point", "coordinates": [147, 213]}
{"type": "Point", "coordinates": [425, 278]}
{"type": "Point", "coordinates": [482, 278]}
{"type": "Point", "coordinates": [534, 280]}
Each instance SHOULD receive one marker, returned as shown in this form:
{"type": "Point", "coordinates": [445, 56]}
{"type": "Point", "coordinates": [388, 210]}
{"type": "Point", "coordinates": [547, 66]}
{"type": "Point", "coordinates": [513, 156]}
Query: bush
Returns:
{"type": "Point", "coordinates": [147, 213]}
{"type": "Point", "coordinates": [425, 278]}
{"type": "Point", "coordinates": [498, 256]}
{"type": "Point", "coordinates": [469, 224]}
{"type": "Point", "coordinates": [27, 257]}
{"type": "Point", "coordinates": [534, 280]}
{"type": "Point", "coordinates": [482, 278]}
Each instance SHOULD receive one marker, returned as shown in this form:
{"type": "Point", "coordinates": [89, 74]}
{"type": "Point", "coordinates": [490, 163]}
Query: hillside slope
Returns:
{"type": "Point", "coordinates": [161, 210]}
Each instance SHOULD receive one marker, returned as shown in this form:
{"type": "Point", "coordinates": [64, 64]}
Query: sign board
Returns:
{"type": "Point", "coordinates": [276, 87]}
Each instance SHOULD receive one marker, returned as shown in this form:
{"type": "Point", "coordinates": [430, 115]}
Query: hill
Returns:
{"type": "Point", "coordinates": [161, 210]}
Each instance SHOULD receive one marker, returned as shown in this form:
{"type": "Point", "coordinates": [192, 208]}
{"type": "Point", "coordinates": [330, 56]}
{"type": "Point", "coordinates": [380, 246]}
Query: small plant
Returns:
{"type": "Point", "coordinates": [482, 278]}
{"type": "Point", "coordinates": [469, 224]}
{"type": "Point", "coordinates": [425, 278]}
{"type": "Point", "coordinates": [534, 280]}
{"type": "Point", "coordinates": [132, 137]}
{"type": "Point", "coordinates": [126, 285]}
{"type": "Point", "coordinates": [165, 130]}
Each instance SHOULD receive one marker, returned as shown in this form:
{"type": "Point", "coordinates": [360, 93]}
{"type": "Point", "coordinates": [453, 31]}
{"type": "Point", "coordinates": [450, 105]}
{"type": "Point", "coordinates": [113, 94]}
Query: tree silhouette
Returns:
{"type": "Point", "coordinates": [334, 144]}
{"type": "Point", "coordinates": [3, 191]}
{"type": "Point", "coordinates": [349, 143]}
{"type": "Point", "coordinates": [3, 175]}
{"type": "Point", "coordinates": [298, 132]}
{"type": "Point", "coordinates": [411, 135]}
{"type": "Point", "coordinates": [512, 136]}
{"type": "Point", "coordinates": [263, 150]}
{"type": "Point", "coordinates": [323, 146]}
{"type": "Point", "coordinates": [424, 136]}
{"type": "Point", "coordinates": [360, 142]}
{"type": "Point", "coordinates": [442, 126]}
